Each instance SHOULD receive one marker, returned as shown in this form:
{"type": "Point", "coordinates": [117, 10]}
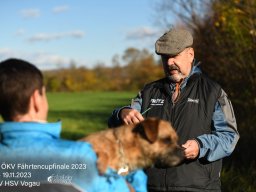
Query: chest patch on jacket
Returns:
{"type": "Point", "coordinates": [193, 101]}
{"type": "Point", "coordinates": [156, 102]}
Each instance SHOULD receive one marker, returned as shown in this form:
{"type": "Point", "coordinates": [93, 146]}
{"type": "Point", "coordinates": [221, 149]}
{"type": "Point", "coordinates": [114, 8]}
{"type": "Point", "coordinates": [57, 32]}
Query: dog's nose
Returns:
{"type": "Point", "coordinates": [178, 156]}
{"type": "Point", "coordinates": [180, 152]}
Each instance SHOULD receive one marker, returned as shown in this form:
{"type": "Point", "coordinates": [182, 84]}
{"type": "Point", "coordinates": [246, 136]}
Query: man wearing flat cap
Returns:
{"type": "Point", "coordinates": [199, 110]}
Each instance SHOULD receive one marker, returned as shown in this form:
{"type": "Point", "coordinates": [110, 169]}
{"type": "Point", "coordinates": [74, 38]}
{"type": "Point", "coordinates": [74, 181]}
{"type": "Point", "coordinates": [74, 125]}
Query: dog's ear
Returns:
{"type": "Point", "coordinates": [148, 129]}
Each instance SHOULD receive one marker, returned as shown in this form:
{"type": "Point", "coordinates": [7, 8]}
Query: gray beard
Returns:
{"type": "Point", "coordinates": [175, 78]}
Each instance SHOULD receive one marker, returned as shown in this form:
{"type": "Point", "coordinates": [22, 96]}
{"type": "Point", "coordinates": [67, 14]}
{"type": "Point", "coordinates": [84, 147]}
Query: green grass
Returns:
{"type": "Point", "coordinates": [84, 113]}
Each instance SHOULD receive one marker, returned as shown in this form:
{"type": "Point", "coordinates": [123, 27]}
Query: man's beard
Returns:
{"type": "Point", "coordinates": [177, 77]}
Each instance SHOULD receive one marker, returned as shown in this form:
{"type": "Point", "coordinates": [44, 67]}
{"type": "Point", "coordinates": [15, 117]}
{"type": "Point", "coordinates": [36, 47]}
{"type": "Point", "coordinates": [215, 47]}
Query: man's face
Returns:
{"type": "Point", "coordinates": [179, 66]}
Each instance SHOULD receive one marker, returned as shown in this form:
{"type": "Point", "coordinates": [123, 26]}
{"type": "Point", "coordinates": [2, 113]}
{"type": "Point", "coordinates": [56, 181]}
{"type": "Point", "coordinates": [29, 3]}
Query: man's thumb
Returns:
{"type": "Point", "coordinates": [185, 145]}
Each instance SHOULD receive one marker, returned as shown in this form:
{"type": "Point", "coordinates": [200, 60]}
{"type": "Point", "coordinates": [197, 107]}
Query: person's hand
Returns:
{"type": "Point", "coordinates": [131, 116]}
{"type": "Point", "coordinates": [191, 149]}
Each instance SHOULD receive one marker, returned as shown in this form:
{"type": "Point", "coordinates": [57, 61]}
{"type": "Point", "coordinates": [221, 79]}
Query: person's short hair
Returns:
{"type": "Point", "coordinates": [18, 81]}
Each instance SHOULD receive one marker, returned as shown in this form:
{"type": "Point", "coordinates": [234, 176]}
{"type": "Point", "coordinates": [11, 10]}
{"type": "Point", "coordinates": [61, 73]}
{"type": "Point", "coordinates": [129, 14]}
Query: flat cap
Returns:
{"type": "Point", "coordinates": [173, 42]}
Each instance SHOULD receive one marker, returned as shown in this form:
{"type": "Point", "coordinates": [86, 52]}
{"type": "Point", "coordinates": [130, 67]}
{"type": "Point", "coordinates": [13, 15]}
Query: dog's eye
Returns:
{"type": "Point", "coordinates": [167, 141]}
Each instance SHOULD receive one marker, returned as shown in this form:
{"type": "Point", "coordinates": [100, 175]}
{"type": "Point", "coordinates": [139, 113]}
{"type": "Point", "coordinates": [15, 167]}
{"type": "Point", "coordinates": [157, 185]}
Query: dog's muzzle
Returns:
{"type": "Point", "coordinates": [173, 158]}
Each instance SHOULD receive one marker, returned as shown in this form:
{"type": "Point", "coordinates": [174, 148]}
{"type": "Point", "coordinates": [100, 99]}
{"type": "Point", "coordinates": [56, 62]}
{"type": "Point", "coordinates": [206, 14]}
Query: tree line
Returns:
{"type": "Point", "coordinates": [139, 67]}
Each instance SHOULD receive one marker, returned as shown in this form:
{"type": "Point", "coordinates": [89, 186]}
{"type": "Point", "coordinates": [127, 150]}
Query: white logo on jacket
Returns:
{"type": "Point", "coordinates": [193, 100]}
{"type": "Point", "coordinates": [156, 101]}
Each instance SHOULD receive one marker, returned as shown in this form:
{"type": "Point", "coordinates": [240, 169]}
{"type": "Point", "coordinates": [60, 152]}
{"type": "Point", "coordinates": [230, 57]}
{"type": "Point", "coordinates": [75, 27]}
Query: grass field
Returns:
{"type": "Point", "coordinates": [83, 113]}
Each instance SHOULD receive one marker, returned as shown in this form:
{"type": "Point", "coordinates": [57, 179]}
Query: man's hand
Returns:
{"type": "Point", "coordinates": [191, 149]}
{"type": "Point", "coordinates": [131, 116]}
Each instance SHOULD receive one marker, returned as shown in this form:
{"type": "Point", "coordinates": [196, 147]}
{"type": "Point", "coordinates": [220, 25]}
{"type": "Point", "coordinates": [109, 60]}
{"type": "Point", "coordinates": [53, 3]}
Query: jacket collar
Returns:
{"type": "Point", "coordinates": [19, 130]}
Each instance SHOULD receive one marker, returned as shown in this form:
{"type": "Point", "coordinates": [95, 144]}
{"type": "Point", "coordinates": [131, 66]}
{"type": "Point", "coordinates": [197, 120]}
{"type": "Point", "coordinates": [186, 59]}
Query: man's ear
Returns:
{"type": "Point", "coordinates": [35, 100]}
{"type": "Point", "coordinates": [191, 53]}
{"type": "Point", "coordinates": [148, 129]}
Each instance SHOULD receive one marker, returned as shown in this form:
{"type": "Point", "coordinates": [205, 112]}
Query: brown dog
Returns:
{"type": "Point", "coordinates": [138, 146]}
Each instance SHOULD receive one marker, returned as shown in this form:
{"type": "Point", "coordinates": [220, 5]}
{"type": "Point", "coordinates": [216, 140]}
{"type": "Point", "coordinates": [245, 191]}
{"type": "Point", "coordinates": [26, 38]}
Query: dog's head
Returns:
{"type": "Point", "coordinates": [158, 141]}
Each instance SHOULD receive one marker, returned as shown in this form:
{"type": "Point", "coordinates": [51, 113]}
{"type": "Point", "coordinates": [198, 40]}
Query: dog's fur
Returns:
{"type": "Point", "coordinates": [136, 146]}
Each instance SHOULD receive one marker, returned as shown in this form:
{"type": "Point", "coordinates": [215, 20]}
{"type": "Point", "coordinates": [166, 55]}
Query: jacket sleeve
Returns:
{"type": "Point", "coordinates": [224, 136]}
{"type": "Point", "coordinates": [138, 180]}
{"type": "Point", "coordinates": [113, 182]}
{"type": "Point", "coordinates": [115, 120]}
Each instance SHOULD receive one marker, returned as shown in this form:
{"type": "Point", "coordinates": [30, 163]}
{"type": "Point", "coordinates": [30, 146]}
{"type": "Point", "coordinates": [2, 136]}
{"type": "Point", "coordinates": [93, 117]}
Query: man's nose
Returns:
{"type": "Point", "coordinates": [170, 61]}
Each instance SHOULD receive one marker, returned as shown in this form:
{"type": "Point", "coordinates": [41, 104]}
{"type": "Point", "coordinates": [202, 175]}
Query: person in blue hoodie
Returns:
{"type": "Point", "coordinates": [32, 154]}
{"type": "Point", "coordinates": [199, 110]}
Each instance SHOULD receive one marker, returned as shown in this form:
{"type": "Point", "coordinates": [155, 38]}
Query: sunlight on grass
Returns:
{"type": "Point", "coordinates": [83, 113]}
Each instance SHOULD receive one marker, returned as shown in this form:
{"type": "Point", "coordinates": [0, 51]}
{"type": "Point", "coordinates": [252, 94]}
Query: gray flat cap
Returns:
{"type": "Point", "coordinates": [173, 42]}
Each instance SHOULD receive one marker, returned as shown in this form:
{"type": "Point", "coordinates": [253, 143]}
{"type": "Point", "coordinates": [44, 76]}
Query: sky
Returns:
{"type": "Point", "coordinates": [53, 33]}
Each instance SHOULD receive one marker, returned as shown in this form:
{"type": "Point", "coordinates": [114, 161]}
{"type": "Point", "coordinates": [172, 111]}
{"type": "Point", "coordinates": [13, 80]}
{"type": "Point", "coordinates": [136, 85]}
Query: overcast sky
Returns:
{"type": "Point", "coordinates": [51, 33]}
